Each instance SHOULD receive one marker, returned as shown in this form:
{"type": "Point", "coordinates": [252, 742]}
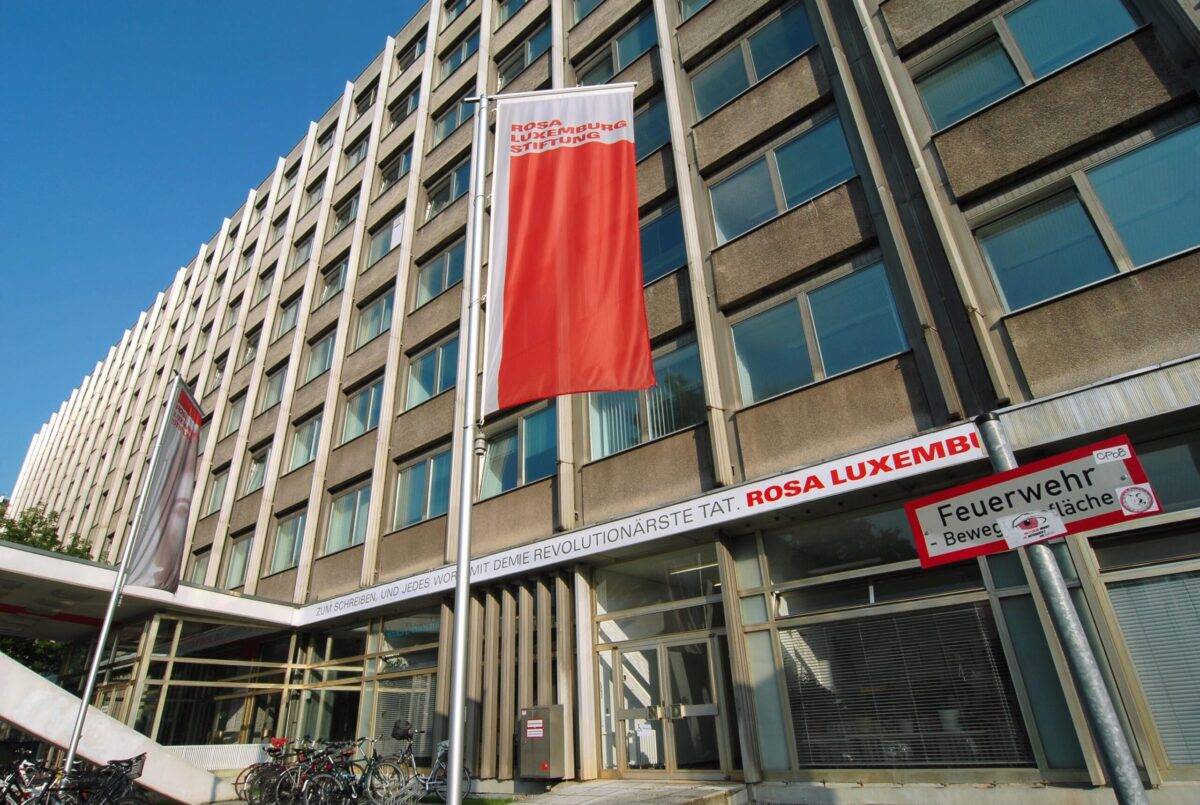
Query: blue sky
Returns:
{"type": "Point", "coordinates": [114, 166]}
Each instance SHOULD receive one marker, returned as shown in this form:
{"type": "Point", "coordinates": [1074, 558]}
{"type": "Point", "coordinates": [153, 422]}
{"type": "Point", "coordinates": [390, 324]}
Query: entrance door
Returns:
{"type": "Point", "coordinates": [668, 709]}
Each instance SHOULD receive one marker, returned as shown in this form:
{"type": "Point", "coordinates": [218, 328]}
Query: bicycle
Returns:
{"type": "Point", "coordinates": [376, 779]}
{"type": "Point", "coordinates": [437, 781]}
{"type": "Point", "coordinates": [256, 783]}
{"type": "Point", "coordinates": [111, 784]}
{"type": "Point", "coordinates": [26, 781]}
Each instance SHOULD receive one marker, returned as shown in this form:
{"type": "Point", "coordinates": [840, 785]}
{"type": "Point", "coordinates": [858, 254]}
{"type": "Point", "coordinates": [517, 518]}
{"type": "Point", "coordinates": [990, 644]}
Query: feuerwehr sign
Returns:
{"type": "Point", "coordinates": [921, 454]}
{"type": "Point", "coordinates": [1086, 488]}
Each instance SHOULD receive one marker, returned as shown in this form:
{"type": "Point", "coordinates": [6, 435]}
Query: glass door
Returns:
{"type": "Point", "coordinates": [668, 716]}
{"type": "Point", "coordinates": [692, 712]}
{"type": "Point", "coordinates": [640, 709]}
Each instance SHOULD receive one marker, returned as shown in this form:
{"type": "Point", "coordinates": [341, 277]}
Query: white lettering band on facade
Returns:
{"type": "Point", "coordinates": [926, 453]}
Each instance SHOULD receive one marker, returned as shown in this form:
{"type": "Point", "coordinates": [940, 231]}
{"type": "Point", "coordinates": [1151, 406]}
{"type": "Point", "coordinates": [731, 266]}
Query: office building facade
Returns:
{"type": "Point", "coordinates": [864, 222]}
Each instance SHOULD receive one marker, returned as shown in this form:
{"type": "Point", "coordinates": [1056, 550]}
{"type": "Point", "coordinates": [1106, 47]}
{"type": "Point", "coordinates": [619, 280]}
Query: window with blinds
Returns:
{"type": "Point", "coordinates": [913, 689]}
{"type": "Point", "coordinates": [1160, 618]}
{"type": "Point", "coordinates": [408, 699]}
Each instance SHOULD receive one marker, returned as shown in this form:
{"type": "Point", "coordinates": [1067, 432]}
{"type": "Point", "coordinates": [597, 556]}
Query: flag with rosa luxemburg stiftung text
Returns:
{"type": "Point", "coordinates": [565, 306]}
{"type": "Point", "coordinates": [158, 542]}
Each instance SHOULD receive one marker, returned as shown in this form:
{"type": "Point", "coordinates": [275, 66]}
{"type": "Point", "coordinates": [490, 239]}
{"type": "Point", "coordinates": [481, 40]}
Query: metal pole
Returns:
{"type": "Point", "coordinates": [468, 448]}
{"type": "Point", "coordinates": [90, 685]}
{"type": "Point", "coordinates": [1102, 715]}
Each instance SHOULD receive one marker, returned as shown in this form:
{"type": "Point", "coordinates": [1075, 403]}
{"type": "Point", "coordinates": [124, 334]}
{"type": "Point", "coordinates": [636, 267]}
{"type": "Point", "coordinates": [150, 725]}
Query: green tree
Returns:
{"type": "Point", "coordinates": [38, 528]}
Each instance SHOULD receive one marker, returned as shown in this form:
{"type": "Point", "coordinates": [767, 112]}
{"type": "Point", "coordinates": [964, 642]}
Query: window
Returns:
{"type": "Point", "coordinates": [375, 318]}
{"type": "Point", "coordinates": [362, 411]}
{"type": "Point", "coordinates": [622, 419]}
{"type": "Point", "coordinates": [784, 177]}
{"type": "Point", "coordinates": [289, 179]}
{"type": "Point", "coordinates": [522, 454]}
{"type": "Point", "coordinates": [755, 57]}
{"type": "Point", "coordinates": [303, 251]}
{"type": "Point", "coordinates": [199, 566]}
{"type": "Point", "coordinates": [289, 539]}
{"type": "Point", "coordinates": [395, 169]}
{"type": "Point", "coordinates": [256, 470]}
{"type": "Point", "coordinates": [461, 51]}
{"type": "Point", "coordinates": [526, 53]}
{"type": "Point", "coordinates": [235, 568]}
{"type": "Point", "coordinates": [441, 272]}
{"type": "Point", "coordinates": [454, 9]}
{"type": "Point", "coordinates": [355, 154]}
{"type": "Point", "coordinates": [423, 490]}
{"type": "Point", "coordinates": [1150, 197]}
{"type": "Point", "coordinates": [324, 142]}
{"type": "Point", "coordinates": [273, 383]}
{"type": "Point", "coordinates": [968, 83]}
{"type": "Point", "coordinates": [320, 356]}
{"type": "Point", "coordinates": [233, 416]}
{"type": "Point", "coordinates": [449, 188]}
{"type": "Point", "coordinates": [333, 279]}
{"type": "Point", "coordinates": [662, 244]}
{"type": "Point", "coordinates": [432, 372]}
{"type": "Point", "coordinates": [690, 7]}
{"type": "Point", "coordinates": [855, 322]}
{"type": "Point", "coordinates": [314, 193]}
{"type": "Point", "coordinates": [288, 315]}
{"type": "Point", "coordinates": [407, 57]}
{"type": "Point", "coordinates": [344, 213]}
{"type": "Point", "coordinates": [216, 491]}
{"type": "Point", "coordinates": [348, 519]}
{"type": "Point", "coordinates": [263, 287]}
{"type": "Point", "coordinates": [278, 228]}
{"type": "Point", "coordinates": [385, 238]}
{"type": "Point", "coordinates": [1045, 249]}
{"type": "Point", "coordinates": [448, 121]}
{"type": "Point", "coordinates": [651, 130]}
{"type": "Point", "coordinates": [365, 100]}
{"type": "Point", "coordinates": [218, 374]}
{"type": "Point", "coordinates": [304, 442]}
{"type": "Point", "coordinates": [1047, 35]}
{"type": "Point", "coordinates": [621, 51]}
{"type": "Point", "coordinates": [231, 314]}
{"type": "Point", "coordinates": [244, 263]}
{"type": "Point", "coordinates": [249, 348]}
{"type": "Point", "coordinates": [508, 8]}
{"type": "Point", "coordinates": [404, 106]}
{"type": "Point", "coordinates": [584, 7]}
{"type": "Point", "coordinates": [230, 239]}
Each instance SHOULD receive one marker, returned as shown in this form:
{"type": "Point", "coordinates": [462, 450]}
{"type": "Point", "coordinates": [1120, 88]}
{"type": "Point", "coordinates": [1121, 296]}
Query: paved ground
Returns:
{"type": "Point", "coordinates": [632, 791]}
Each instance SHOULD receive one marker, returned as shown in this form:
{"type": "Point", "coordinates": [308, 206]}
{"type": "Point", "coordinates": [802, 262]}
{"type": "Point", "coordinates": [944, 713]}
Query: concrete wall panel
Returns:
{"type": "Point", "coordinates": [1109, 325]}
{"type": "Point", "coordinates": [880, 403]}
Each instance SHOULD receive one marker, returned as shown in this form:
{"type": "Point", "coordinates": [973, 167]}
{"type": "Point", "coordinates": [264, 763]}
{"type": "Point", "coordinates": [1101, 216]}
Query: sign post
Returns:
{"type": "Point", "coordinates": [1110, 486]}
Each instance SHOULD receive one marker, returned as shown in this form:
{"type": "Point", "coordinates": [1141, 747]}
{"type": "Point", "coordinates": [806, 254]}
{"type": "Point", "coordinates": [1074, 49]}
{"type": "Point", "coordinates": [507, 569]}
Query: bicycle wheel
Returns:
{"type": "Point", "coordinates": [324, 789]}
{"type": "Point", "coordinates": [287, 787]}
{"type": "Point", "coordinates": [385, 783]}
{"type": "Point", "coordinates": [441, 785]}
{"type": "Point", "coordinates": [239, 782]}
{"type": "Point", "coordinates": [260, 786]}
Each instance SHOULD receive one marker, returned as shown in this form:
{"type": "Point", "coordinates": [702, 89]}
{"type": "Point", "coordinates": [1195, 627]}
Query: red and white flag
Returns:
{"type": "Point", "coordinates": [565, 310]}
{"type": "Point", "coordinates": [157, 554]}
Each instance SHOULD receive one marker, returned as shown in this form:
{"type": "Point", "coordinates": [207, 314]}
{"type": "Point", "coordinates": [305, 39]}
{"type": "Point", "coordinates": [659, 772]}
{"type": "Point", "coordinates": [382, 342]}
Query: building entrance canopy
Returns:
{"type": "Point", "coordinates": [46, 595]}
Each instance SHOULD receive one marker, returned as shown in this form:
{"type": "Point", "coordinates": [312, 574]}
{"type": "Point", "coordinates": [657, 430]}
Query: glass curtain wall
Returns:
{"type": "Point", "coordinates": [216, 683]}
{"type": "Point", "coordinates": [860, 660]}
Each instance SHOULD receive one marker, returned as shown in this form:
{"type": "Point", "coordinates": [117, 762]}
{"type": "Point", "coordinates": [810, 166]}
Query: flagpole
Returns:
{"type": "Point", "coordinates": [468, 449]}
{"type": "Point", "coordinates": [122, 569]}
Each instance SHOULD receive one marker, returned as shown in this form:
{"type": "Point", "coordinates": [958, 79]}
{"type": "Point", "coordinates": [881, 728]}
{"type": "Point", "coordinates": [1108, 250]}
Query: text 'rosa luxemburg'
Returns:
{"type": "Point", "coordinates": [541, 135]}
